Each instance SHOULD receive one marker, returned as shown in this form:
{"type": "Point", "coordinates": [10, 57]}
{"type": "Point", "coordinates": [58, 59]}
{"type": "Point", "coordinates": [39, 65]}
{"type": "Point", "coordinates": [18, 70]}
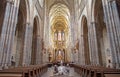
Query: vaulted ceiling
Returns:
{"type": "Point", "coordinates": [59, 17]}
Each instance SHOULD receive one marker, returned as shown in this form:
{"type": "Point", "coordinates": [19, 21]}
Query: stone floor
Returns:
{"type": "Point", "coordinates": [51, 74]}
{"type": "Point", "coordinates": [62, 76]}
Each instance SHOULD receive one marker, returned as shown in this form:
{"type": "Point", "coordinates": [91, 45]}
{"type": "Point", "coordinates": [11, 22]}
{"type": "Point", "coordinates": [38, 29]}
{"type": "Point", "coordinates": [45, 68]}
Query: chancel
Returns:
{"type": "Point", "coordinates": [59, 38]}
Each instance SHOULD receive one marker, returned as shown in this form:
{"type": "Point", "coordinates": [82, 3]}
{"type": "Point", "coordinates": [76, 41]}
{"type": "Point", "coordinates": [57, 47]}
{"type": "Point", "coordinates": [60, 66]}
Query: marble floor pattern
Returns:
{"type": "Point", "coordinates": [50, 73]}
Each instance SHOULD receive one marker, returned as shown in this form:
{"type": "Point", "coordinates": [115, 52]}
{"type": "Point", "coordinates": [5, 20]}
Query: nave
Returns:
{"type": "Point", "coordinates": [38, 71]}
{"type": "Point", "coordinates": [74, 71]}
{"type": "Point", "coordinates": [37, 32]}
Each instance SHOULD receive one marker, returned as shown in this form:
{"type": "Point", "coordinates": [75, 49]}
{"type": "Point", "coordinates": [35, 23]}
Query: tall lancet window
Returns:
{"type": "Point", "coordinates": [63, 36]}
{"type": "Point", "coordinates": [59, 36]}
{"type": "Point", "coordinates": [55, 36]}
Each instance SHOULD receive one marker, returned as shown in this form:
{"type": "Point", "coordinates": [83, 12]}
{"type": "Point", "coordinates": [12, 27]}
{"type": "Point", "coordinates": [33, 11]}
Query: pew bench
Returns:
{"type": "Point", "coordinates": [96, 71]}
{"type": "Point", "coordinates": [31, 71]}
{"type": "Point", "coordinates": [10, 75]}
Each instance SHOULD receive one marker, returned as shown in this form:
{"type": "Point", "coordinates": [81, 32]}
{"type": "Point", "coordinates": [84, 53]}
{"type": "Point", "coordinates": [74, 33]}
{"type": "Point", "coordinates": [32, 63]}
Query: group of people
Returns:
{"type": "Point", "coordinates": [61, 70]}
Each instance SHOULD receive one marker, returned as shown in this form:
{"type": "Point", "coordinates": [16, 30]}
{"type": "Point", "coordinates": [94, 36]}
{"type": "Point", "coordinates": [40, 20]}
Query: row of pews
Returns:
{"type": "Point", "coordinates": [30, 71]}
{"type": "Point", "coordinates": [96, 71]}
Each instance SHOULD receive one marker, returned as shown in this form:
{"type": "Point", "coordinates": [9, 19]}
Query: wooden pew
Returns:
{"type": "Point", "coordinates": [31, 71]}
{"type": "Point", "coordinates": [96, 71]}
{"type": "Point", "coordinates": [10, 75]}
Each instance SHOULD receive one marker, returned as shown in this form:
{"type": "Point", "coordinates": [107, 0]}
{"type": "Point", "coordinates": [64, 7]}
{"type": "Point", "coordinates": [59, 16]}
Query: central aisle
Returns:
{"type": "Point", "coordinates": [49, 73]}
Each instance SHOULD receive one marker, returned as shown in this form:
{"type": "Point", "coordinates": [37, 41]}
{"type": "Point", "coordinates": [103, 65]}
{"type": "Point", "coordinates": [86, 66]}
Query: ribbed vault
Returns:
{"type": "Point", "coordinates": [59, 17]}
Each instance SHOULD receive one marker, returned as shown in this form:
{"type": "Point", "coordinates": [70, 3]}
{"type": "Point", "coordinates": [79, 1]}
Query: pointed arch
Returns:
{"type": "Point", "coordinates": [35, 41]}
{"type": "Point", "coordinates": [19, 37]}
{"type": "Point", "coordinates": [85, 40]}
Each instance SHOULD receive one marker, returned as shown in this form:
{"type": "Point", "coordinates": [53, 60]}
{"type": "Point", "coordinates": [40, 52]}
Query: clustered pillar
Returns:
{"type": "Point", "coordinates": [9, 23]}
{"type": "Point", "coordinates": [113, 29]}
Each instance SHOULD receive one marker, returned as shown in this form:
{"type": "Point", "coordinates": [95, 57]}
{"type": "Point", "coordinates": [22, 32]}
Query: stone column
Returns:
{"type": "Point", "coordinates": [113, 29]}
{"type": "Point", "coordinates": [94, 45]}
{"type": "Point", "coordinates": [116, 29]}
{"type": "Point", "coordinates": [90, 44]}
{"type": "Point", "coordinates": [12, 29]}
{"type": "Point", "coordinates": [78, 53]}
{"type": "Point", "coordinates": [80, 50]}
{"type": "Point", "coordinates": [3, 33]}
{"type": "Point", "coordinates": [38, 53]}
{"type": "Point", "coordinates": [27, 45]}
{"type": "Point", "coordinates": [82, 47]}
{"type": "Point", "coordinates": [41, 54]}
{"type": "Point", "coordinates": [79, 57]}
{"type": "Point", "coordinates": [9, 24]}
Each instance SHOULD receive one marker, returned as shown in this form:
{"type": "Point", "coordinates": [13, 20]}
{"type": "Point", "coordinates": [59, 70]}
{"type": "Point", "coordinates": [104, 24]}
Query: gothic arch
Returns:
{"type": "Point", "coordinates": [85, 40]}
{"type": "Point", "coordinates": [35, 41]}
{"type": "Point", "coordinates": [20, 33]}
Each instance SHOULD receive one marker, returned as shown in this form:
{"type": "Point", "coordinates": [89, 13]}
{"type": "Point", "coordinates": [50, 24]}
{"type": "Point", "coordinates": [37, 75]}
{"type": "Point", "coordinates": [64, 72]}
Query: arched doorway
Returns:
{"type": "Point", "coordinates": [85, 40]}
{"type": "Point", "coordinates": [20, 34]}
{"type": "Point", "coordinates": [34, 41]}
{"type": "Point", "coordinates": [2, 13]}
{"type": "Point", "coordinates": [102, 37]}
